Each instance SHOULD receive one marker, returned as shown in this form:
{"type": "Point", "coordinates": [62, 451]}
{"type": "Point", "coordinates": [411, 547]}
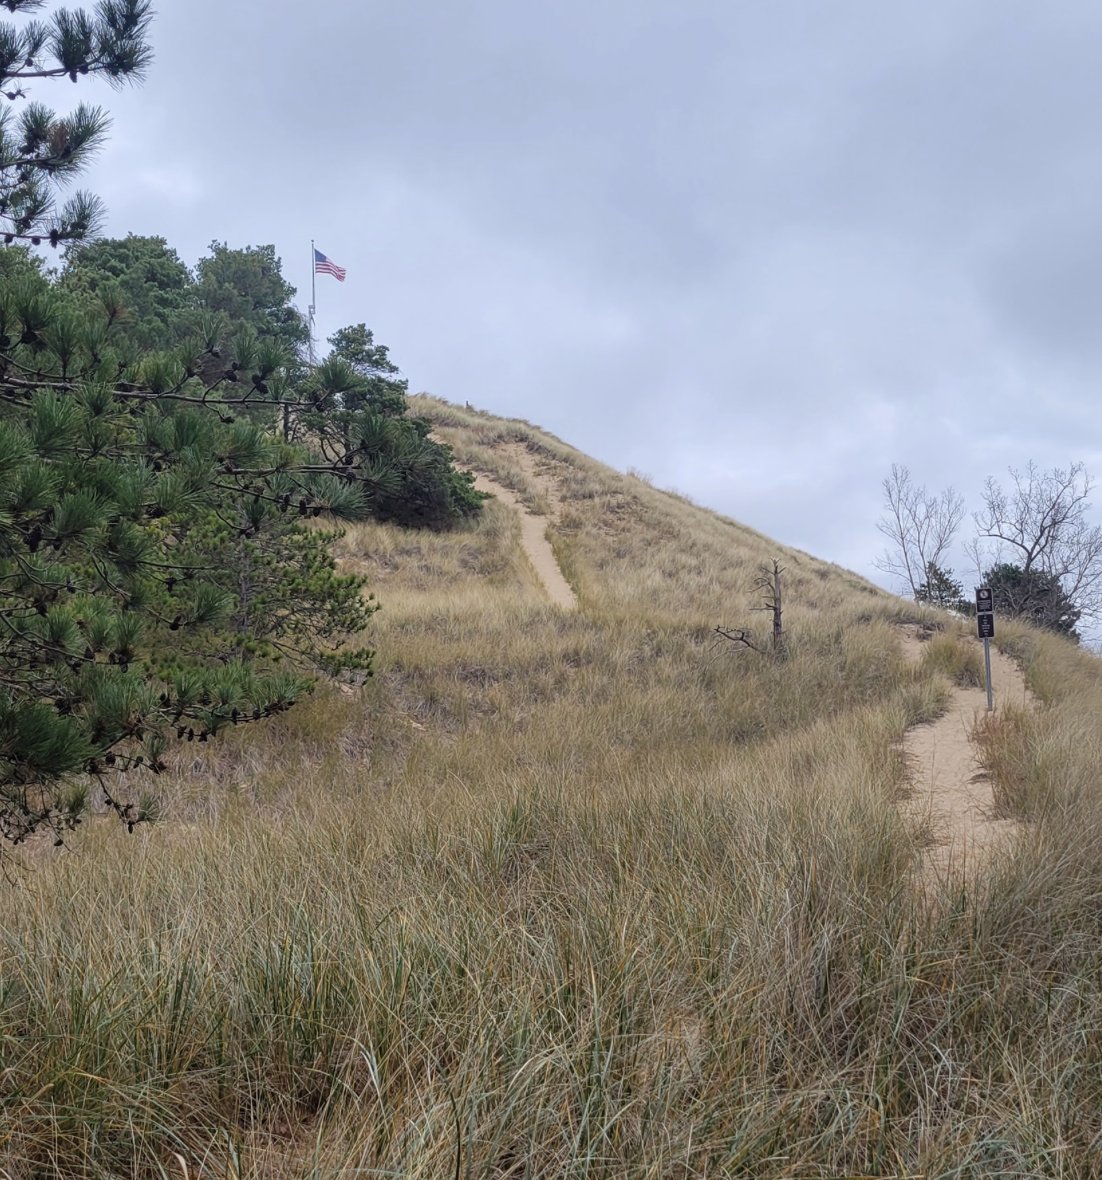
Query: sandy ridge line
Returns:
{"type": "Point", "coordinates": [952, 798]}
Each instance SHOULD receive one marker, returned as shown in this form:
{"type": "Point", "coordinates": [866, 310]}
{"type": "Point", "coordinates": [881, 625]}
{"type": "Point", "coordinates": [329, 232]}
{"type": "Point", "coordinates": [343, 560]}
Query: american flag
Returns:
{"type": "Point", "coordinates": [325, 266]}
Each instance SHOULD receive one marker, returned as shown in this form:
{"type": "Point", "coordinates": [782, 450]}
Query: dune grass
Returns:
{"type": "Point", "coordinates": [955, 656]}
{"type": "Point", "coordinates": [575, 894]}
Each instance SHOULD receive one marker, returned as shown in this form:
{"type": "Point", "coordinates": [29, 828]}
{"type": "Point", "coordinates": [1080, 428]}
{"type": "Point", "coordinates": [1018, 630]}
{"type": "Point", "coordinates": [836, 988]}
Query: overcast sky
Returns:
{"type": "Point", "coordinates": [758, 250]}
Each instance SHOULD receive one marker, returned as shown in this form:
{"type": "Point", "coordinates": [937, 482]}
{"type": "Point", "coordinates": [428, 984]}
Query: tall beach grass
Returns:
{"type": "Point", "coordinates": [576, 894]}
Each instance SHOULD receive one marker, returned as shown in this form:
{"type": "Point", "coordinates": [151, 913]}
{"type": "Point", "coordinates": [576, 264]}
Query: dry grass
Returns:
{"type": "Point", "coordinates": [574, 894]}
{"type": "Point", "coordinates": [955, 655]}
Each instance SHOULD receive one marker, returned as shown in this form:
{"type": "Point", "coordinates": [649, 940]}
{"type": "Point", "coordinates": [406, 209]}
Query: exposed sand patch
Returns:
{"type": "Point", "coordinates": [533, 529]}
{"type": "Point", "coordinates": [952, 799]}
{"type": "Point", "coordinates": [527, 462]}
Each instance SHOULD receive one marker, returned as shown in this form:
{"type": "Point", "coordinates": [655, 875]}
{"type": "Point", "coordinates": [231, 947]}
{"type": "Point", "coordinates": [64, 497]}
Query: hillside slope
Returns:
{"type": "Point", "coordinates": [576, 892]}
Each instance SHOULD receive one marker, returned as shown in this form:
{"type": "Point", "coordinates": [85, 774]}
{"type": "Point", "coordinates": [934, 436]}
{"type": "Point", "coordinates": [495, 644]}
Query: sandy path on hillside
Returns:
{"type": "Point", "coordinates": [533, 529]}
{"type": "Point", "coordinates": [952, 799]}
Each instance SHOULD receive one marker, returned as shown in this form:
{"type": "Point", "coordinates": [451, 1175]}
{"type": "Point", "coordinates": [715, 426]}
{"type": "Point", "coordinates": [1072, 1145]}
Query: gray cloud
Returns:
{"type": "Point", "coordinates": [759, 251]}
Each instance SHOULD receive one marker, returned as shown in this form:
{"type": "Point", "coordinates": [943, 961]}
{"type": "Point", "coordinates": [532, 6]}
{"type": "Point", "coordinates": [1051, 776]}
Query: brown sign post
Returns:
{"type": "Point", "coordinates": [985, 629]}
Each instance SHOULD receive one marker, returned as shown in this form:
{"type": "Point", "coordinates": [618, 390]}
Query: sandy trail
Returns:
{"type": "Point", "coordinates": [952, 798]}
{"type": "Point", "coordinates": [533, 529]}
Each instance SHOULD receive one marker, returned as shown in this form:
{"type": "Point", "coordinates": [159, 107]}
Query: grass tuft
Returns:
{"type": "Point", "coordinates": [956, 657]}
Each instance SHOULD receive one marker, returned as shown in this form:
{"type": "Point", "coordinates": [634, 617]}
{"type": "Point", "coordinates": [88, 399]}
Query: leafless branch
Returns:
{"type": "Point", "coordinates": [920, 527]}
{"type": "Point", "coordinates": [739, 637]}
{"type": "Point", "coordinates": [1041, 525]}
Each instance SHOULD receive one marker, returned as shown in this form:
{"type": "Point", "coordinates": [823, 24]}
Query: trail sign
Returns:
{"type": "Point", "coordinates": [985, 628]}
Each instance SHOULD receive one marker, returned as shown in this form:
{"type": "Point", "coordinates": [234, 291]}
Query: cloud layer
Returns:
{"type": "Point", "coordinates": [758, 251]}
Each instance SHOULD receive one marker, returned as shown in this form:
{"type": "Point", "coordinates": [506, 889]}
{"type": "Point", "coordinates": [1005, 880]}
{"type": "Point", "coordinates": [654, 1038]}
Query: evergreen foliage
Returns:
{"type": "Point", "coordinates": [164, 457]}
{"type": "Point", "coordinates": [38, 150]}
{"type": "Point", "coordinates": [358, 403]}
{"type": "Point", "coordinates": [1034, 595]}
{"type": "Point", "coordinates": [143, 278]}
{"type": "Point", "coordinates": [161, 572]}
{"type": "Point", "coordinates": [157, 574]}
{"type": "Point", "coordinates": [20, 263]}
{"type": "Point", "coordinates": [247, 287]}
{"type": "Point", "coordinates": [1042, 520]}
{"type": "Point", "coordinates": [380, 388]}
{"type": "Point", "coordinates": [239, 301]}
{"type": "Point", "coordinates": [941, 589]}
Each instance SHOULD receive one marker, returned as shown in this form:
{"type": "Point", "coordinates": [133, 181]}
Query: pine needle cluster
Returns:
{"type": "Point", "coordinates": [39, 150]}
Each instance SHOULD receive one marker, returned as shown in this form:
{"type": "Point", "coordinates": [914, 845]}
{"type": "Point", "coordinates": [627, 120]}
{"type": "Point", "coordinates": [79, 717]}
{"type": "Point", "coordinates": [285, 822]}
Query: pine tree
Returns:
{"type": "Point", "coordinates": [130, 491]}
{"type": "Point", "coordinates": [358, 407]}
{"type": "Point", "coordinates": [380, 386]}
{"type": "Point", "coordinates": [942, 589]}
{"type": "Point", "coordinates": [158, 577]}
{"type": "Point", "coordinates": [144, 279]}
{"type": "Point", "coordinates": [1033, 595]}
{"type": "Point", "coordinates": [247, 287]}
{"type": "Point", "coordinates": [38, 150]}
{"type": "Point", "coordinates": [163, 571]}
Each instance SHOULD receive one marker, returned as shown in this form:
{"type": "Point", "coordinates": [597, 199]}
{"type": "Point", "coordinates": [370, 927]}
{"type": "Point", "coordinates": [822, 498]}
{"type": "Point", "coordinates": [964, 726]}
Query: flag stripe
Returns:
{"type": "Point", "coordinates": [326, 266]}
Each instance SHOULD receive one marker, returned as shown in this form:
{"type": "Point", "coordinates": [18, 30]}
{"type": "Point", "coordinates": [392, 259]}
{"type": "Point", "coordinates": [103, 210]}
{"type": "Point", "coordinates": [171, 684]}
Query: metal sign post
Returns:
{"type": "Point", "coordinates": [985, 628]}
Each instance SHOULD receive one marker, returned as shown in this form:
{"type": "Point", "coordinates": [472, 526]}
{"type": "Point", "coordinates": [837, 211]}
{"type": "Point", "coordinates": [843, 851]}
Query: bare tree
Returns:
{"type": "Point", "coordinates": [980, 557]}
{"type": "Point", "coordinates": [769, 582]}
{"type": "Point", "coordinates": [1040, 526]}
{"type": "Point", "coordinates": [920, 527]}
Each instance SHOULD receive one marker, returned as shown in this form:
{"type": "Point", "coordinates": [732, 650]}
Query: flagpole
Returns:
{"type": "Point", "coordinates": [313, 298]}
